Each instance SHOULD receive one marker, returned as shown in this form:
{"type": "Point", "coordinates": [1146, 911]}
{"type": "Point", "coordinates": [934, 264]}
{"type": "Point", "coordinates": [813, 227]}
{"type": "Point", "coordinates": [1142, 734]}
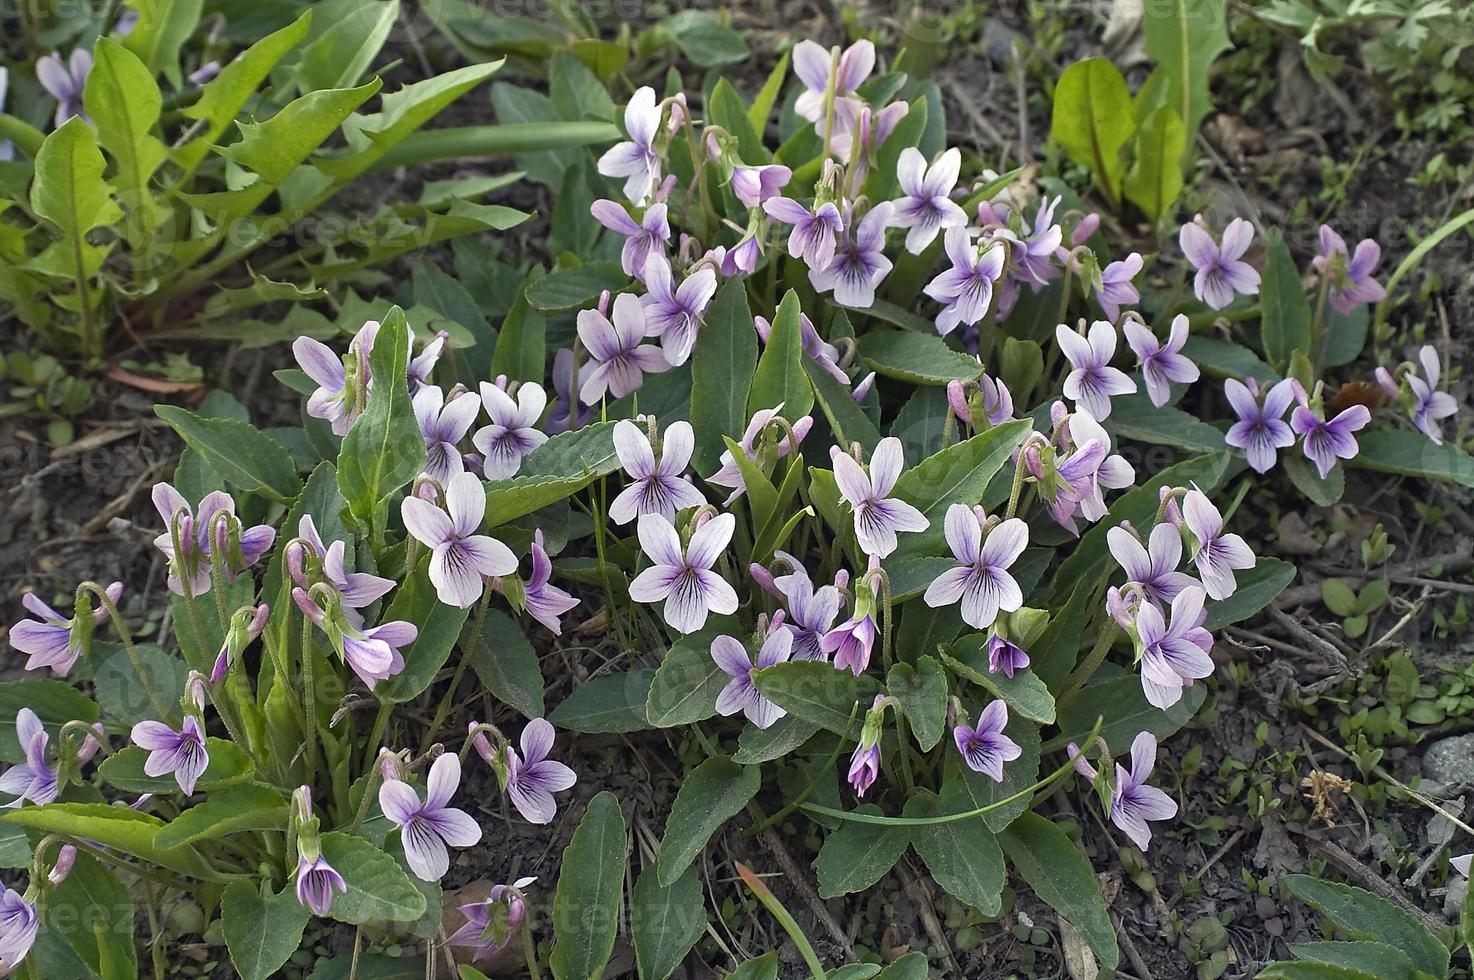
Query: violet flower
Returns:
{"type": "Point", "coordinates": [567, 412]}
{"type": "Point", "coordinates": [659, 487]}
{"type": "Point", "coordinates": [985, 748]}
{"type": "Point", "coordinates": [811, 63]}
{"type": "Point", "coordinates": [444, 426]}
{"type": "Point", "coordinates": [1153, 567]}
{"type": "Point", "coordinates": [636, 158]}
{"type": "Point", "coordinates": [316, 882]}
{"type": "Point", "coordinates": [995, 400]}
{"type": "Point", "coordinates": [1221, 271]}
{"type": "Point", "coordinates": [460, 558]}
{"type": "Point", "coordinates": [1349, 277]}
{"type": "Point", "coordinates": [355, 589]}
{"type": "Point", "coordinates": [1175, 655]}
{"type": "Point", "coordinates": [373, 654]}
{"type": "Point", "coordinates": [981, 578]}
{"type": "Point", "coordinates": [340, 397]}
{"type": "Point", "coordinates": [513, 431]}
{"type": "Point", "coordinates": [19, 924]}
{"type": "Point", "coordinates": [878, 516]}
{"type": "Point", "coordinates": [811, 612]}
{"type": "Point", "coordinates": [1082, 472]}
{"type": "Point", "coordinates": [741, 694]}
{"type": "Point", "coordinates": [859, 130]}
{"type": "Point", "coordinates": [966, 289]}
{"type": "Point", "coordinates": [53, 640]}
{"type": "Point", "coordinates": [426, 828]}
{"type": "Point", "coordinates": [650, 234]}
{"type": "Point", "coordinates": [1093, 381]}
{"type": "Point", "coordinates": [1217, 554]}
{"type": "Point", "coordinates": [851, 642]}
{"type": "Point", "coordinates": [859, 262]}
{"type": "Point", "coordinates": [65, 81]}
{"type": "Point", "coordinates": [826, 355]}
{"type": "Point", "coordinates": [1133, 802]}
{"type": "Point", "coordinates": [1429, 404]}
{"type": "Point", "coordinates": [241, 547]}
{"type": "Point", "coordinates": [418, 371]}
{"type": "Point", "coordinates": [730, 476]}
{"type": "Point", "coordinates": [865, 762]}
{"type": "Point", "coordinates": [533, 778]}
{"type": "Point", "coordinates": [179, 753]}
{"type": "Point", "coordinates": [684, 580]}
{"type": "Point", "coordinates": [814, 233]}
{"type": "Point", "coordinates": [620, 358]}
{"type": "Point", "coordinates": [1114, 289]}
{"type": "Point", "coordinates": [754, 185]}
{"type": "Point", "coordinates": [926, 206]}
{"type": "Point", "coordinates": [246, 625]}
{"type": "Point", "coordinates": [1325, 441]}
{"type": "Point", "coordinates": [34, 779]}
{"type": "Point", "coordinates": [7, 147]}
{"type": "Point", "coordinates": [1261, 430]}
{"type": "Point", "coordinates": [1005, 656]}
{"type": "Point", "coordinates": [544, 601]}
{"type": "Point", "coordinates": [673, 313]}
{"type": "Point", "coordinates": [1161, 363]}
{"type": "Point", "coordinates": [483, 938]}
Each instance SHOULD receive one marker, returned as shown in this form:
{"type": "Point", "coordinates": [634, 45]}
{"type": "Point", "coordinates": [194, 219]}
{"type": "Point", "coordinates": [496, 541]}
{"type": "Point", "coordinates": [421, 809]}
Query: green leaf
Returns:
{"type": "Point", "coordinates": [857, 855]}
{"type": "Point", "coordinates": [384, 449]}
{"type": "Point", "coordinates": [1135, 417]}
{"type": "Point", "coordinates": [69, 191]}
{"type": "Point", "coordinates": [246, 458]}
{"type": "Point", "coordinates": [848, 420]}
{"type": "Point", "coordinates": [1377, 958]}
{"type": "Point", "coordinates": [229, 765]}
{"type": "Point", "coordinates": [118, 827]}
{"type": "Point", "coordinates": [922, 692]}
{"type": "Point", "coordinates": [710, 794]}
{"type": "Point", "coordinates": [521, 345]}
{"type": "Point", "coordinates": [764, 967]}
{"type": "Point", "coordinates": [686, 685]}
{"type": "Point", "coordinates": [1184, 36]}
{"type": "Point", "coordinates": [1306, 970]}
{"type": "Point", "coordinates": [1322, 491]}
{"type": "Point", "coordinates": [123, 101]}
{"type": "Point", "coordinates": [767, 96]}
{"type": "Point", "coordinates": [721, 374]}
{"type": "Point", "coordinates": [916, 358]}
{"type": "Point", "coordinates": [1225, 359]}
{"type": "Point", "coordinates": [1046, 858]}
{"type": "Point", "coordinates": [160, 32]}
{"type": "Point", "coordinates": [92, 911]}
{"type": "Point", "coordinates": [262, 931]}
{"type": "Point", "coordinates": [379, 889]}
{"type": "Point", "coordinates": [707, 43]}
{"type": "Point", "coordinates": [666, 921]}
{"type": "Point", "coordinates": [757, 745]}
{"type": "Point", "coordinates": [1257, 588]}
{"type": "Point", "coordinates": [577, 287]}
{"type": "Point", "coordinates": [912, 966]}
{"type": "Point", "coordinates": [345, 46]}
{"type": "Point", "coordinates": [54, 702]}
{"type": "Point", "coordinates": [1024, 692]}
{"type": "Point", "coordinates": [1285, 325]}
{"type": "Point", "coordinates": [229, 811]}
{"type": "Point", "coordinates": [1361, 915]}
{"type": "Point", "coordinates": [959, 474]}
{"type": "Point", "coordinates": [586, 905]}
{"type": "Point", "coordinates": [1120, 701]}
{"type": "Point", "coordinates": [814, 691]}
{"type": "Point", "coordinates": [963, 856]}
{"type": "Point", "coordinates": [1093, 120]}
{"type": "Point", "coordinates": [506, 663]}
{"type": "Point", "coordinates": [439, 625]}
{"type": "Point", "coordinates": [1155, 179]}
{"type": "Point", "coordinates": [1345, 335]}
{"type": "Point", "coordinates": [727, 110]}
{"type": "Point", "coordinates": [780, 378]}
{"type": "Point", "coordinates": [1413, 454]}
{"type": "Point", "coordinates": [607, 703]}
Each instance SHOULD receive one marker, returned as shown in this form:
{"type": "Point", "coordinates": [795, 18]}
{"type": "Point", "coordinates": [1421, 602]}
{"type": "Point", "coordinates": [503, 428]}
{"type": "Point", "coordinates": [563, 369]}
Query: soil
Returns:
{"type": "Point", "coordinates": [81, 512]}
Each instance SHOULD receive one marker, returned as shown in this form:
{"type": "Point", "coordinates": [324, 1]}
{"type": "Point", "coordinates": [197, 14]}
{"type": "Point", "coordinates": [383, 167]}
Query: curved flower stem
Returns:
{"type": "Point", "coordinates": [902, 734]}
{"type": "Point", "coordinates": [192, 611]}
{"type": "Point", "coordinates": [443, 708]}
{"type": "Point", "coordinates": [121, 628]}
{"type": "Point", "coordinates": [375, 776]}
{"type": "Point", "coordinates": [1025, 793]}
{"type": "Point", "coordinates": [798, 800]}
{"type": "Point", "coordinates": [309, 698]}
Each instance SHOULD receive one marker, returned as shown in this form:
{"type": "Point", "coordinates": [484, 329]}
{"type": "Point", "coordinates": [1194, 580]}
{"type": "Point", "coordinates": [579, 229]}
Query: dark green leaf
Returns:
{"type": "Point", "coordinates": [857, 855]}
{"type": "Point", "coordinates": [710, 794]}
{"type": "Point", "coordinates": [814, 691]}
{"type": "Point", "coordinates": [922, 693]}
{"type": "Point", "coordinates": [1285, 326]}
{"type": "Point", "coordinates": [1257, 588]}
{"type": "Point", "coordinates": [506, 663]}
{"type": "Point", "coordinates": [917, 358]}
{"type": "Point", "coordinates": [1413, 454]}
{"type": "Point", "coordinates": [577, 287]}
{"type": "Point", "coordinates": [384, 449]}
{"type": "Point", "coordinates": [379, 889]}
{"type": "Point", "coordinates": [665, 922]}
{"type": "Point", "coordinates": [1361, 915]}
{"type": "Point", "coordinates": [721, 372]}
{"type": "Point", "coordinates": [1120, 701]}
{"type": "Point", "coordinates": [607, 703]}
{"type": "Point", "coordinates": [963, 855]}
{"type": "Point", "coordinates": [1046, 858]}
{"type": "Point", "coordinates": [247, 459]}
{"type": "Point", "coordinates": [590, 882]}
{"type": "Point", "coordinates": [780, 378]}
{"type": "Point", "coordinates": [261, 931]}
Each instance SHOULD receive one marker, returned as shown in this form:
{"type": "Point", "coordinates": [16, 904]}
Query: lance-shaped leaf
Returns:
{"type": "Point", "coordinates": [384, 449]}
{"type": "Point", "coordinates": [586, 904]}
{"type": "Point", "coordinates": [1184, 36]}
{"type": "Point", "coordinates": [709, 795]}
{"type": "Point", "coordinates": [123, 101]}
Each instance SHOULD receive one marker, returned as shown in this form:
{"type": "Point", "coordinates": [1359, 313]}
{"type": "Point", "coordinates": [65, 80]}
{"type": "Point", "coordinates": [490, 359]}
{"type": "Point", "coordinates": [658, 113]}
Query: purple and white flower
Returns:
{"type": "Point", "coordinates": [1154, 566]}
{"type": "Point", "coordinates": [568, 411]}
{"type": "Point", "coordinates": [19, 924]}
{"type": "Point", "coordinates": [660, 486]}
{"type": "Point", "coordinates": [513, 431]}
{"type": "Point", "coordinates": [35, 779]}
{"type": "Point", "coordinates": [355, 589]}
{"type": "Point", "coordinates": [878, 516]}
{"type": "Point", "coordinates": [673, 313]}
{"type": "Point", "coordinates": [51, 639]}
{"type": "Point", "coordinates": [426, 828]}
{"type": "Point", "coordinates": [316, 882]}
{"type": "Point", "coordinates": [1114, 288]}
{"type": "Point", "coordinates": [636, 159]}
{"type": "Point", "coordinates": [741, 694]}
{"type": "Point", "coordinates": [980, 579]}
{"type": "Point", "coordinates": [1176, 654]}
{"type": "Point", "coordinates": [1261, 430]}
{"type": "Point", "coordinates": [859, 262]}
{"type": "Point", "coordinates": [811, 63]}
{"type": "Point", "coordinates": [730, 476]}
{"type": "Point", "coordinates": [1082, 472]}
{"type": "Point", "coordinates": [544, 601]}
{"type": "Point", "coordinates": [852, 641]}
{"type": "Point", "coordinates": [340, 397]}
{"type": "Point", "coordinates": [479, 934]}
{"type": "Point", "coordinates": [926, 206]}
{"type": "Point", "coordinates": [1429, 404]}
{"type": "Point", "coordinates": [373, 654]}
{"type": "Point", "coordinates": [826, 355]}
{"type": "Point", "coordinates": [1133, 802]}
{"type": "Point", "coordinates": [985, 748]}
{"type": "Point", "coordinates": [811, 612]}
{"type": "Point", "coordinates": [620, 357]}
{"type": "Point", "coordinates": [444, 426]}
{"type": "Point", "coordinates": [1349, 276]}
{"type": "Point", "coordinates": [1161, 363]}
{"type": "Point", "coordinates": [754, 185]}
{"type": "Point", "coordinates": [650, 234]}
{"type": "Point", "coordinates": [181, 753]}
{"type": "Point", "coordinates": [1217, 554]}
{"type": "Point", "coordinates": [1327, 440]}
{"type": "Point", "coordinates": [460, 558]}
{"type": "Point", "coordinates": [814, 232]}
{"type": "Point", "coordinates": [201, 539]}
{"type": "Point", "coordinates": [966, 289]}
{"type": "Point", "coordinates": [1005, 656]}
{"type": "Point", "coordinates": [684, 579]}
{"type": "Point", "coordinates": [533, 778]}
{"type": "Point", "coordinates": [1093, 382]}
{"type": "Point", "coordinates": [65, 81]}
{"type": "Point", "coordinates": [1221, 271]}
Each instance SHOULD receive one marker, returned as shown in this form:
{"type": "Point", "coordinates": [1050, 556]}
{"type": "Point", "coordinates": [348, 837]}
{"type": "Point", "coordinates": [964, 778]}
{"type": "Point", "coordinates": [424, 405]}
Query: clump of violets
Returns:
{"type": "Point", "coordinates": [193, 540]}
